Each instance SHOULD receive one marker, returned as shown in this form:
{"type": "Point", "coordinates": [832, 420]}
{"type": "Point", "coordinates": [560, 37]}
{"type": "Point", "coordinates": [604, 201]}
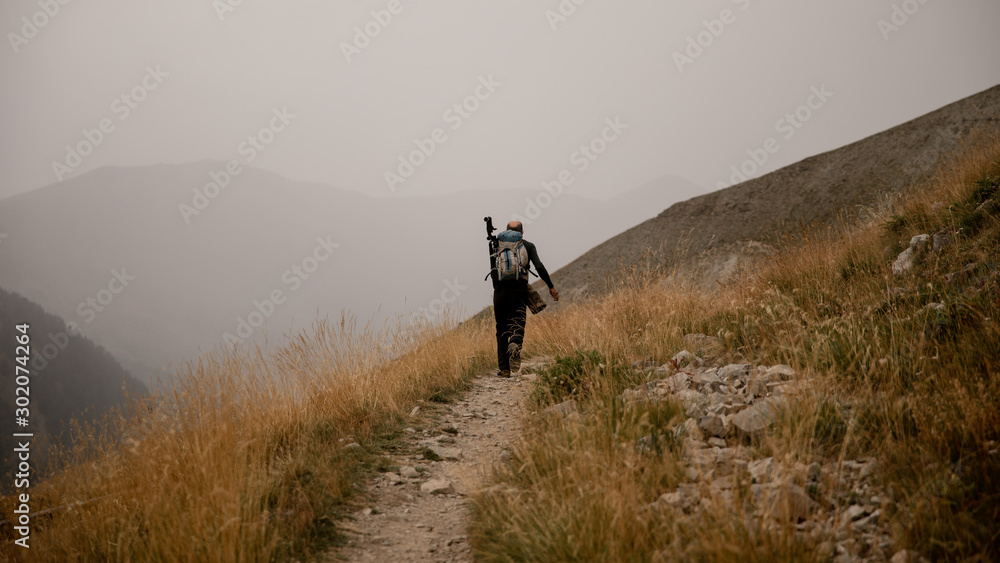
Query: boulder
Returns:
{"type": "Point", "coordinates": [903, 262]}
{"type": "Point", "coordinates": [759, 416]}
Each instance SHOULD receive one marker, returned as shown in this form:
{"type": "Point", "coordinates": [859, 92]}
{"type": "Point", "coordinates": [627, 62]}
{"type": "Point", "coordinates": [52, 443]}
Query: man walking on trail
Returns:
{"type": "Point", "coordinates": [510, 294]}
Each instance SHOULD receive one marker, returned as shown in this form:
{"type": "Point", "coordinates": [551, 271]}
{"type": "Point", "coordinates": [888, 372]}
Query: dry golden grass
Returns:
{"type": "Point", "coordinates": [245, 459]}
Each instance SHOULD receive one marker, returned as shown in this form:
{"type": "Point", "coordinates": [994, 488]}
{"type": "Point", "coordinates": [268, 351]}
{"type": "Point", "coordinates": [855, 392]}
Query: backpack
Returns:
{"type": "Point", "coordinates": [511, 257]}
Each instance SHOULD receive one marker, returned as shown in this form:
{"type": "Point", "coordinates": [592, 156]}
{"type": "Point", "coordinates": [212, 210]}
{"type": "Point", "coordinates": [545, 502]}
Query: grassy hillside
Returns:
{"type": "Point", "coordinates": [900, 370]}
{"type": "Point", "coordinates": [257, 454]}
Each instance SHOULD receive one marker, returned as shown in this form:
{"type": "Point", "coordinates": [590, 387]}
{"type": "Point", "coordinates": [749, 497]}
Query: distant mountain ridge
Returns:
{"type": "Point", "coordinates": [194, 277]}
{"type": "Point", "coordinates": [715, 229]}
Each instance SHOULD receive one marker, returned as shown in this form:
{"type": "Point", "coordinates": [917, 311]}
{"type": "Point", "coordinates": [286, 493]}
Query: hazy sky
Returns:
{"type": "Point", "coordinates": [200, 77]}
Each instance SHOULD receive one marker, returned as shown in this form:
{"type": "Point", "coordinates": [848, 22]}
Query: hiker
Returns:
{"type": "Point", "coordinates": [511, 294]}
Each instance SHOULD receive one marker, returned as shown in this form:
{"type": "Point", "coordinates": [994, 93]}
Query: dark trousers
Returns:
{"type": "Point", "coordinates": [509, 308]}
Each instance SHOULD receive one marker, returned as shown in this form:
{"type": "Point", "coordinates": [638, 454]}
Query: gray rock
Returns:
{"type": "Point", "coordinates": [903, 262]}
{"type": "Point", "coordinates": [712, 426]}
{"type": "Point", "coordinates": [691, 430]}
{"type": "Point", "coordinates": [759, 416]}
{"type": "Point", "coordinates": [852, 513]}
{"type": "Point", "coordinates": [919, 241]}
{"type": "Point", "coordinates": [445, 453]}
{"type": "Point", "coordinates": [867, 524]}
{"type": "Point", "coordinates": [707, 382]}
{"type": "Point", "coordinates": [564, 408]}
{"type": "Point", "coordinates": [757, 387]}
{"type": "Point", "coordinates": [781, 372]}
{"type": "Point", "coordinates": [664, 370]}
{"type": "Point", "coordinates": [790, 502]}
{"type": "Point", "coordinates": [694, 403]}
{"type": "Point", "coordinates": [437, 487]}
{"type": "Point", "coordinates": [735, 372]}
{"type": "Point", "coordinates": [677, 382]}
{"type": "Point", "coordinates": [762, 470]}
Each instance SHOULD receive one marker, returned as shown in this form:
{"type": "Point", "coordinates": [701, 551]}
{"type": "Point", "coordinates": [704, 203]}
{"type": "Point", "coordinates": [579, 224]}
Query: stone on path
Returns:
{"type": "Point", "coordinates": [437, 487]}
{"type": "Point", "coordinates": [445, 453]}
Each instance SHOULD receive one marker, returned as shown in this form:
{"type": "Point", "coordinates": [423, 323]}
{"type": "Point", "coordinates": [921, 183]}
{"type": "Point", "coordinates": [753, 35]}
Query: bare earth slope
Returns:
{"type": "Point", "coordinates": [819, 188]}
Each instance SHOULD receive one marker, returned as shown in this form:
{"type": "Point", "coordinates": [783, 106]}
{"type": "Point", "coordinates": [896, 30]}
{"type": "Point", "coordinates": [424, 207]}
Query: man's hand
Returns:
{"type": "Point", "coordinates": [554, 293]}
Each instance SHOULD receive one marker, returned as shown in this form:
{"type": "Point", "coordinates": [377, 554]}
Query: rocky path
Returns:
{"type": "Point", "coordinates": [420, 512]}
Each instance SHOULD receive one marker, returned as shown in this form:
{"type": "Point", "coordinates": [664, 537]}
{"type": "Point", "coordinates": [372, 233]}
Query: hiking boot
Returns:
{"type": "Point", "coordinates": [503, 373]}
{"type": "Point", "coordinates": [514, 351]}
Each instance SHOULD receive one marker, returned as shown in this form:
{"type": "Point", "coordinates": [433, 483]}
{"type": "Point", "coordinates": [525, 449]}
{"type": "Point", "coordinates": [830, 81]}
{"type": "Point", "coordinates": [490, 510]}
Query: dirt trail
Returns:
{"type": "Point", "coordinates": [406, 520]}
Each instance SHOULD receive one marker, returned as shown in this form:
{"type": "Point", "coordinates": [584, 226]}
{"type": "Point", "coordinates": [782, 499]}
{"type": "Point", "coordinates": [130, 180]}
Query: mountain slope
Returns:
{"type": "Point", "coordinates": [70, 377]}
{"type": "Point", "coordinates": [824, 188]}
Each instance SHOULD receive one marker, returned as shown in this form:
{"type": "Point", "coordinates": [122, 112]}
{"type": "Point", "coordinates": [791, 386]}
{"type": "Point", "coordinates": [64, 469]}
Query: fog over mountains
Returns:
{"type": "Point", "coordinates": [155, 272]}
